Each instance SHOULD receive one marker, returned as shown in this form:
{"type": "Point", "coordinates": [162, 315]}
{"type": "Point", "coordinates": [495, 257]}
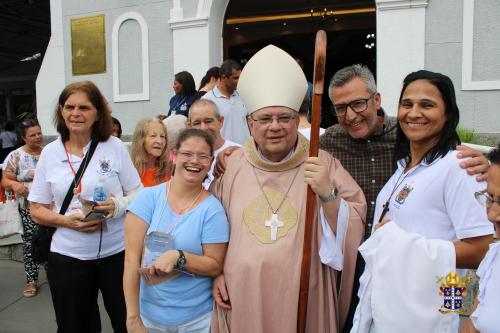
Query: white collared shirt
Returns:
{"type": "Point", "coordinates": [435, 200]}
{"type": "Point", "coordinates": [233, 110]}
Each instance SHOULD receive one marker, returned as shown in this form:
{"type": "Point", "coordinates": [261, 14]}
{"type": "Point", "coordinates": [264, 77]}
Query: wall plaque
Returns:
{"type": "Point", "coordinates": [88, 45]}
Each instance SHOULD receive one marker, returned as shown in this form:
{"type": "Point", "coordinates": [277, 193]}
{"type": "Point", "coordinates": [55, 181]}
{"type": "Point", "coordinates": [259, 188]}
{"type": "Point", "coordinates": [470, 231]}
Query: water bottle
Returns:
{"type": "Point", "coordinates": [100, 190]}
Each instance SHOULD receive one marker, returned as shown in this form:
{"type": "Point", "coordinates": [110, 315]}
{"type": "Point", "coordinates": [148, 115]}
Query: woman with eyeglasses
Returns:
{"type": "Point", "coordinates": [191, 229]}
{"type": "Point", "coordinates": [485, 318]}
{"type": "Point", "coordinates": [149, 151]}
{"type": "Point", "coordinates": [429, 194]}
{"type": "Point", "coordinates": [18, 172]}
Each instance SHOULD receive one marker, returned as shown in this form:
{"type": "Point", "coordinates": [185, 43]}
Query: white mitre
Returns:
{"type": "Point", "coordinates": [272, 78]}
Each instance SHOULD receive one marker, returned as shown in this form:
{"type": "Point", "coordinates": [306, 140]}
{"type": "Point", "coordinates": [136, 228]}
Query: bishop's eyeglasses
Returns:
{"type": "Point", "coordinates": [485, 199]}
{"type": "Point", "coordinates": [358, 105]}
{"type": "Point", "coordinates": [282, 119]}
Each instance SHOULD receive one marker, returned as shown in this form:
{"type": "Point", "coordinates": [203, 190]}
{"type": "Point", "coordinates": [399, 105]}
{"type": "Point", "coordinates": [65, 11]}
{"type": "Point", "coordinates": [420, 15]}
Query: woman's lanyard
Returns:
{"type": "Point", "coordinates": [169, 228]}
{"type": "Point", "coordinates": [77, 183]}
{"type": "Point", "coordinates": [399, 181]}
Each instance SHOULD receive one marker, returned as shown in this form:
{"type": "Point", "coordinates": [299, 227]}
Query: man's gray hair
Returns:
{"type": "Point", "coordinates": [346, 74]}
{"type": "Point", "coordinates": [206, 103]}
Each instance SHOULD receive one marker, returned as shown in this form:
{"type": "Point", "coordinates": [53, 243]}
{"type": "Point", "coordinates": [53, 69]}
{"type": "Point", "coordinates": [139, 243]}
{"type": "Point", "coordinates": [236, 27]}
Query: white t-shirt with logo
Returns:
{"type": "Point", "coordinates": [53, 176]}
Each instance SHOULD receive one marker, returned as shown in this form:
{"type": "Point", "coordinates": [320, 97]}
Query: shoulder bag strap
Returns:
{"type": "Point", "coordinates": [80, 171]}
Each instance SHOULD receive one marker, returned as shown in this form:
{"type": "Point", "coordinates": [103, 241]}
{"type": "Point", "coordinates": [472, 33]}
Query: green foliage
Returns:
{"type": "Point", "coordinates": [25, 111]}
{"type": "Point", "coordinates": [467, 135]}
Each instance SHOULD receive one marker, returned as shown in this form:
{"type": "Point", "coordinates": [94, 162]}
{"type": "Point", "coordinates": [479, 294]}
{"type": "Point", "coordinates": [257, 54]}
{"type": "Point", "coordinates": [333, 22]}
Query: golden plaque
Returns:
{"type": "Point", "coordinates": [88, 45]}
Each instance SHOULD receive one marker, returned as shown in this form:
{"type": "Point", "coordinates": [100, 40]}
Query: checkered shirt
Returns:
{"type": "Point", "coordinates": [369, 161]}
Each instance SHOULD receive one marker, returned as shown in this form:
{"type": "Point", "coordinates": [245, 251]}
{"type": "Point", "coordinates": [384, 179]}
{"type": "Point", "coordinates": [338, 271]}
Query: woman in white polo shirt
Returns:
{"type": "Point", "coordinates": [429, 194]}
{"type": "Point", "coordinates": [85, 256]}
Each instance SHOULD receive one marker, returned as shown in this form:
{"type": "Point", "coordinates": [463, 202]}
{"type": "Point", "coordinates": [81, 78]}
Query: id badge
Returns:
{"type": "Point", "coordinates": [155, 244]}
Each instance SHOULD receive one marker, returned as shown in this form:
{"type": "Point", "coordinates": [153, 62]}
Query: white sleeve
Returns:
{"type": "Point", "coordinates": [331, 247]}
{"type": "Point", "coordinates": [121, 203]}
{"type": "Point", "coordinates": [40, 191]}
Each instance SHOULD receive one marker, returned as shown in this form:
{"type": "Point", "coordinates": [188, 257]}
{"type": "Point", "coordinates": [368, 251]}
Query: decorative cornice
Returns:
{"type": "Point", "coordinates": [189, 23]}
{"type": "Point", "coordinates": [401, 4]}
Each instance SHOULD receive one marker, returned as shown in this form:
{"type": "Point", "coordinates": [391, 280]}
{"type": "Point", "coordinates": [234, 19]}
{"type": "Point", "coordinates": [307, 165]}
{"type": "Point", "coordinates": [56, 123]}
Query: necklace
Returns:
{"type": "Point", "coordinates": [190, 205]}
{"type": "Point", "coordinates": [76, 182]}
{"type": "Point", "coordinates": [399, 181]}
{"type": "Point", "coordinates": [170, 227]}
{"type": "Point", "coordinates": [274, 223]}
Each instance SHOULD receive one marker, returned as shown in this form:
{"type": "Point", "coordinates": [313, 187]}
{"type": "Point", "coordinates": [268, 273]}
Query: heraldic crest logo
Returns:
{"type": "Point", "coordinates": [453, 290]}
{"type": "Point", "coordinates": [403, 194]}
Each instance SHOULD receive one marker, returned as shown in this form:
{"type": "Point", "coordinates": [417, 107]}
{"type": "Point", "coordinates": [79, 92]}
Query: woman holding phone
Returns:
{"type": "Point", "coordinates": [86, 255]}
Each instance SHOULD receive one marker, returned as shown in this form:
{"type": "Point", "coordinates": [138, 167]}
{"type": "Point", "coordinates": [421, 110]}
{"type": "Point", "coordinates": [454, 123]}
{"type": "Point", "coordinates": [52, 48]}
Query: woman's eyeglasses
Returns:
{"type": "Point", "coordinates": [485, 199]}
{"type": "Point", "coordinates": [189, 155]}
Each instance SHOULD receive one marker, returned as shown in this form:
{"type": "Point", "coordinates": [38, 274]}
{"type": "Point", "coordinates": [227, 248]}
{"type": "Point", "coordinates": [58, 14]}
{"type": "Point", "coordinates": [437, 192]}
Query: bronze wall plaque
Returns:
{"type": "Point", "coordinates": [88, 45]}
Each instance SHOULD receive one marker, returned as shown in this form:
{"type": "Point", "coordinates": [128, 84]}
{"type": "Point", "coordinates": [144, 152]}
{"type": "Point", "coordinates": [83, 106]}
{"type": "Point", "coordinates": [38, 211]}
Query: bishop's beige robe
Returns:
{"type": "Point", "coordinates": [263, 276]}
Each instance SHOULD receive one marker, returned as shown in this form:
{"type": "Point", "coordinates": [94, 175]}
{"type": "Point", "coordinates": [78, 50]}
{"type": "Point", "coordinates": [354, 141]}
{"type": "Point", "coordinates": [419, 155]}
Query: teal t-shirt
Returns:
{"type": "Point", "coordinates": [186, 297]}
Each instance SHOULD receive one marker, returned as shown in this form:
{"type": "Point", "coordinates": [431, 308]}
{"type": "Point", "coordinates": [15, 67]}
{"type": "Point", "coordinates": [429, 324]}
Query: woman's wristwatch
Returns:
{"type": "Point", "coordinates": [181, 262]}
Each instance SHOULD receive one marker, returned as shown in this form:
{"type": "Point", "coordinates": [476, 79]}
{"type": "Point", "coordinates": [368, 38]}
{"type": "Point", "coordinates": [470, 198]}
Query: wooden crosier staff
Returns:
{"type": "Point", "coordinates": [318, 80]}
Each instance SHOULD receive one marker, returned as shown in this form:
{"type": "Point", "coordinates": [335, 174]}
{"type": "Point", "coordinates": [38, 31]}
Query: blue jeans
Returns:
{"type": "Point", "coordinates": [197, 325]}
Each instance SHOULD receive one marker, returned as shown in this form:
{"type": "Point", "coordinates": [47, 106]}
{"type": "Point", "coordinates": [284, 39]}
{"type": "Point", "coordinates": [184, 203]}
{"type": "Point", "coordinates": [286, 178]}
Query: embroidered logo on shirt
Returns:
{"type": "Point", "coordinates": [104, 167]}
{"type": "Point", "coordinates": [453, 290]}
{"type": "Point", "coordinates": [403, 194]}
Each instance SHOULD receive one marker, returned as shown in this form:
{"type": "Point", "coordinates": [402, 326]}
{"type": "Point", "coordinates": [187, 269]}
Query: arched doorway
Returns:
{"type": "Point", "coordinates": [350, 26]}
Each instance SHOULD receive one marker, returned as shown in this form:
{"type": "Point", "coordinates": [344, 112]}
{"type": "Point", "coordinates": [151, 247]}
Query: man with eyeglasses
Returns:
{"type": "Point", "coordinates": [263, 190]}
{"type": "Point", "coordinates": [204, 114]}
{"type": "Point", "coordinates": [364, 141]}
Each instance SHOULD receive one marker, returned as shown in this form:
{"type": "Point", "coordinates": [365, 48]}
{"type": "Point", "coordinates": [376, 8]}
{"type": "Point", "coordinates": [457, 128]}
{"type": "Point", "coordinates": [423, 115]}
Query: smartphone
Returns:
{"type": "Point", "coordinates": [95, 215]}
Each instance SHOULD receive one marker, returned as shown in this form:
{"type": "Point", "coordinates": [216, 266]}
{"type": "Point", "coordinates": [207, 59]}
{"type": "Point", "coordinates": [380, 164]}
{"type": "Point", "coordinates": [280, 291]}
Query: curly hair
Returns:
{"type": "Point", "coordinates": [139, 154]}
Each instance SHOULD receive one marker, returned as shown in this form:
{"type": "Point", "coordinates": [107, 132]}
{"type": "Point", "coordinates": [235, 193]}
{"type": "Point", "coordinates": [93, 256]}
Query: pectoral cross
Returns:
{"type": "Point", "coordinates": [274, 224]}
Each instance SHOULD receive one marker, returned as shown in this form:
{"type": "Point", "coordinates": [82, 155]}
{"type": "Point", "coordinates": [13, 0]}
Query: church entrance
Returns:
{"type": "Point", "coordinates": [292, 26]}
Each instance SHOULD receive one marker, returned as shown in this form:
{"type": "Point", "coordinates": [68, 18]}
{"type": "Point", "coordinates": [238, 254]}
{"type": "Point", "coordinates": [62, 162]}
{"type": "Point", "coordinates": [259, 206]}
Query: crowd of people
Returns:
{"type": "Point", "coordinates": [200, 227]}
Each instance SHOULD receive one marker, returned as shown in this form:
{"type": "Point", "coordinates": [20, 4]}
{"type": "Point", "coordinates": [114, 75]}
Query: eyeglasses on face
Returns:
{"type": "Point", "coordinates": [266, 120]}
{"type": "Point", "coordinates": [189, 156]}
{"type": "Point", "coordinates": [358, 105]}
{"type": "Point", "coordinates": [485, 199]}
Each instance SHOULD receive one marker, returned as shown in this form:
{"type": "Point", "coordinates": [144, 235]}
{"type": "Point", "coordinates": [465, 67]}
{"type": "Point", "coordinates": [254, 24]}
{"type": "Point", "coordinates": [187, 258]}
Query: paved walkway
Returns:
{"type": "Point", "coordinates": [19, 314]}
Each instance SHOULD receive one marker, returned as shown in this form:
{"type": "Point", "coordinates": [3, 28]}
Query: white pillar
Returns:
{"type": "Point", "coordinates": [191, 46]}
{"type": "Point", "coordinates": [51, 78]}
{"type": "Point", "coordinates": [400, 46]}
{"type": "Point", "coordinates": [190, 40]}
